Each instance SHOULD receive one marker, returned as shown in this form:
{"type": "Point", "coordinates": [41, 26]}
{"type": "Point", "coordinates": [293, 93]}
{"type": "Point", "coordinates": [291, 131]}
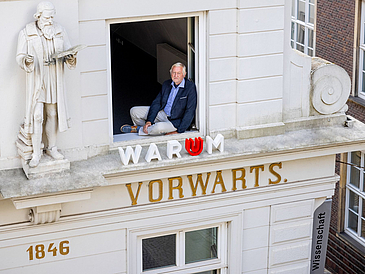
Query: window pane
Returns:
{"type": "Point", "coordinates": [201, 245]}
{"type": "Point", "coordinates": [301, 11]}
{"type": "Point", "coordinates": [354, 202]}
{"type": "Point", "coordinates": [292, 30]}
{"type": "Point", "coordinates": [208, 272]}
{"type": "Point", "coordinates": [363, 82]}
{"type": "Point", "coordinates": [300, 34]}
{"type": "Point", "coordinates": [311, 14]}
{"type": "Point", "coordinates": [310, 52]}
{"type": "Point", "coordinates": [300, 48]}
{"type": "Point", "coordinates": [356, 158]}
{"type": "Point", "coordinates": [352, 221]}
{"type": "Point", "coordinates": [159, 251]}
{"type": "Point", "coordinates": [310, 38]}
{"type": "Point", "coordinates": [355, 172]}
{"type": "Point", "coordinates": [363, 59]}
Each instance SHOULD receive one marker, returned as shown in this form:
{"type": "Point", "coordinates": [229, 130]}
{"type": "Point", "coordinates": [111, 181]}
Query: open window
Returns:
{"type": "Point", "coordinates": [142, 53]}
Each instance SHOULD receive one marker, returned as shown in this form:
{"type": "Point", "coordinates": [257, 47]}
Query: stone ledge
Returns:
{"type": "Point", "coordinates": [47, 167]}
{"type": "Point", "coordinates": [50, 200]}
{"type": "Point", "coordinates": [357, 100]}
{"type": "Point", "coordinates": [94, 171]}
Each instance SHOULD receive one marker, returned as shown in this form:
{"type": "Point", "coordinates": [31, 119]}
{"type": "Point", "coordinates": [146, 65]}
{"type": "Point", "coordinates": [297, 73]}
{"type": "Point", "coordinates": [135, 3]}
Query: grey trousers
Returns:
{"type": "Point", "coordinates": [161, 125]}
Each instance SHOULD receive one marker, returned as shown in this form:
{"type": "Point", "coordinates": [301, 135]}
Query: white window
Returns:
{"type": "Point", "coordinates": [200, 251]}
{"type": "Point", "coordinates": [302, 26]}
{"type": "Point", "coordinates": [355, 196]}
{"type": "Point", "coordinates": [361, 81]}
{"type": "Point", "coordinates": [142, 51]}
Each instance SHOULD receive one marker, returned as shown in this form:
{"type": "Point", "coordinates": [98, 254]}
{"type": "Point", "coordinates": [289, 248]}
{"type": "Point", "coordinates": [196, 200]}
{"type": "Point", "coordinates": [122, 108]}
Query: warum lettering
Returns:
{"type": "Point", "coordinates": [193, 147]}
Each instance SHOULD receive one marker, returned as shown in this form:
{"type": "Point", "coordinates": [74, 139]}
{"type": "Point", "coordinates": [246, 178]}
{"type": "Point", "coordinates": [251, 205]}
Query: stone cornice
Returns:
{"type": "Point", "coordinates": [104, 170]}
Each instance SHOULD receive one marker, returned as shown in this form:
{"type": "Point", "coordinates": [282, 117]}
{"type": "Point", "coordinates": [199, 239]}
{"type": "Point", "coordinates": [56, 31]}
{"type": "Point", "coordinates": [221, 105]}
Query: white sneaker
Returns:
{"type": "Point", "coordinates": [53, 152]}
{"type": "Point", "coordinates": [141, 132]}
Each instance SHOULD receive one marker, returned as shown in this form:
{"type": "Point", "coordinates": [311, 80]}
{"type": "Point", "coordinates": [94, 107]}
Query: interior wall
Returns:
{"type": "Point", "coordinates": [147, 34]}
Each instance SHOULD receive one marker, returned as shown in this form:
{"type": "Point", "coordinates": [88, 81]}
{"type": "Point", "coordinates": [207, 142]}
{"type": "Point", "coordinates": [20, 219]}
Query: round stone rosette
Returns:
{"type": "Point", "coordinates": [331, 87]}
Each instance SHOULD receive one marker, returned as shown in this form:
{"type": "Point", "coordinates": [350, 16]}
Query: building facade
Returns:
{"type": "Point", "coordinates": [270, 120]}
{"type": "Point", "coordinates": [339, 39]}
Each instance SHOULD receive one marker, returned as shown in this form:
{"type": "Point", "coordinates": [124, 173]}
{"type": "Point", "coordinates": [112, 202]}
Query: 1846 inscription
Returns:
{"type": "Point", "coordinates": [40, 250]}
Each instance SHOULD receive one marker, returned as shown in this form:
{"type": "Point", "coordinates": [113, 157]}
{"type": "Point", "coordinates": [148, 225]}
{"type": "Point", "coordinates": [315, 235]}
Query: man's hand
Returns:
{"type": "Point", "coordinates": [148, 124]}
{"type": "Point", "coordinates": [169, 133]}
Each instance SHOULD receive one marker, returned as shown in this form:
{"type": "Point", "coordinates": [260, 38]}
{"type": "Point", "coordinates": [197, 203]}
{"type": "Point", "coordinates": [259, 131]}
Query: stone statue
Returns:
{"type": "Point", "coordinates": [45, 89]}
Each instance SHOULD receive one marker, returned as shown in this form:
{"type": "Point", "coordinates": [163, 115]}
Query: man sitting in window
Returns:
{"type": "Point", "coordinates": [171, 112]}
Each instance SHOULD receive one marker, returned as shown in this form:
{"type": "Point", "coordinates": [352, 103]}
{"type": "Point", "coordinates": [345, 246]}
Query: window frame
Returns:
{"type": "Point", "coordinates": [306, 24]}
{"type": "Point", "coordinates": [361, 55]}
{"type": "Point", "coordinates": [219, 263]}
{"type": "Point", "coordinates": [200, 65]}
{"type": "Point", "coordinates": [350, 187]}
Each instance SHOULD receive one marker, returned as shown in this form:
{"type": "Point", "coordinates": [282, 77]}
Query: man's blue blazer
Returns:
{"type": "Point", "coordinates": [183, 108]}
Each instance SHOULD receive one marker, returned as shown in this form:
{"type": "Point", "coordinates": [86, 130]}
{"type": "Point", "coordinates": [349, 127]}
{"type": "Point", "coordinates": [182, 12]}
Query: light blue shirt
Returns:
{"type": "Point", "coordinates": [172, 96]}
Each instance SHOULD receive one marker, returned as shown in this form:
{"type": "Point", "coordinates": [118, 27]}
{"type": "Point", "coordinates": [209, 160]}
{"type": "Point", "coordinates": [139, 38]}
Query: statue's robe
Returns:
{"type": "Point", "coordinates": [29, 42]}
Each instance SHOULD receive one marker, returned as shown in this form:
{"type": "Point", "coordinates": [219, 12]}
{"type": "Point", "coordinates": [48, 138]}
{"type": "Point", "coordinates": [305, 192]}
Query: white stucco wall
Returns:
{"type": "Point", "coordinates": [241, 63]}
{"type": "Point", "coordinates": [269, 227]}
{"type": "Point", "coordinates": [249, 79]}
{"type": "Point", "coordinates": [12, 80]}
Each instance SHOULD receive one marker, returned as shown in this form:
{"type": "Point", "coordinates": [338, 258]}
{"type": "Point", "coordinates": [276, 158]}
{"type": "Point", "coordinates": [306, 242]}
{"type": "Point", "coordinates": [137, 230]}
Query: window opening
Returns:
{"type": "Point", "coordinates": [141, 56]}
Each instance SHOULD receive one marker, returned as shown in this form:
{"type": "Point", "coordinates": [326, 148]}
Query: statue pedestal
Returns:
{"type": "Point", "coordinates": [46, 167]}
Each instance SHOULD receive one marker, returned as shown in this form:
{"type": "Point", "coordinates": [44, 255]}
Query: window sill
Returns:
{"type": "Point", "coordinates": [349, 240]}
{"type": "Point", "coordinates": [357, 100]}
{"type": "Point", "coordinates": [131, 139]}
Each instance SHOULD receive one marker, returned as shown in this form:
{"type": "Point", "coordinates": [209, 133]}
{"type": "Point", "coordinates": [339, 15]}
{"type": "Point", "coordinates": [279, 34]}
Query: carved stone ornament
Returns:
{"type": "Point", "coordinates": [43, 51]}
{"type": "Point", "coordinates": [44, 217]}
{"type": "Point", "coordinates": [47, 209]}
{"type": "Point", "coordinates": [331, 87]}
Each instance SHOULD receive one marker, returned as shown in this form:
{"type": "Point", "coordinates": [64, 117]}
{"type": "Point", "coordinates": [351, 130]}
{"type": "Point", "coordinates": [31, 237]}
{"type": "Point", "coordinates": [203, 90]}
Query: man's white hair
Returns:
{"type": "Point", "coordinates": [42, 6]}
{"type": "Point", "coordinates": [178, 64]}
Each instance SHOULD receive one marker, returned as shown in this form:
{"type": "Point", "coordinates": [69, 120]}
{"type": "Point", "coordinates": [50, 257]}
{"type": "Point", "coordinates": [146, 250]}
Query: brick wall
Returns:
{"type": "Point", "coordinates": [356, 110]}
{"type": "Point", "coordinates": [342, 257]}
{"type": "Point", "coordinates": [335, 32]}
{"type": "Point", "coordinates": [334, 42]}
